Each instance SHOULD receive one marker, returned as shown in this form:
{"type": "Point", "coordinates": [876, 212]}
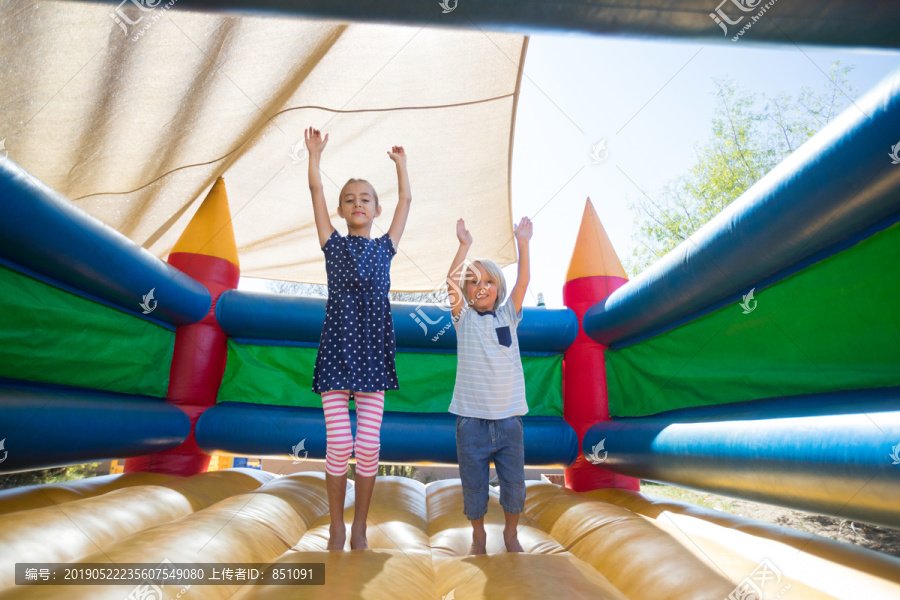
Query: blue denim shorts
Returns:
{"type": "Point", "coordinates": [478, 441]}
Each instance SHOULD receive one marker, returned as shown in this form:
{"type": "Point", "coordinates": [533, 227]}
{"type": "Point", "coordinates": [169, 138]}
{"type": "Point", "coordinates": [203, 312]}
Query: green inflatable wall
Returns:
{"type": "Point", "coordinates": [50, 335]}
{"type": "Point", "coordinates": [832, 326]}
{"type": "Point", "coordinates": [282, 375]}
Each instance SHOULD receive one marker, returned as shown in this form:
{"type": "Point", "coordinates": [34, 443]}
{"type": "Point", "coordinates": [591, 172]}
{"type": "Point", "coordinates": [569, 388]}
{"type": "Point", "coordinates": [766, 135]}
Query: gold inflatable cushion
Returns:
{"type": "Point", "coordinates": [577, 545]}
{"type": "Point", "coordinates": [52, 494]}
{"type": "Point", "coordinates": [77, 528]}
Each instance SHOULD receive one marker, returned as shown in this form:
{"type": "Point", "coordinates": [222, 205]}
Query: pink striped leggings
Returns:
{"type": "Point", "coordinates": [369, 409]}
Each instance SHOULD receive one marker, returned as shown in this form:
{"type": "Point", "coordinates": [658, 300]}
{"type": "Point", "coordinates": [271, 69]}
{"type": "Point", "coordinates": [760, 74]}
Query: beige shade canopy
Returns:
{"type": "Point", "coordinates": [133, 112]}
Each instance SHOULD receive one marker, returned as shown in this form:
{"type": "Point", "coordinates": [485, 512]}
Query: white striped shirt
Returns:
{"type": "Point", "coordinates": [490, 383]}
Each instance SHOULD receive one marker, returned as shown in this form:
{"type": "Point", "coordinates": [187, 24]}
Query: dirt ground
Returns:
{"type": "Point", "coordinates": [874, 537]}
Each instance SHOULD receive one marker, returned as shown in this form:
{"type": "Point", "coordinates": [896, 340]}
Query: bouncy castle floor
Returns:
{"type": "Point", "coordinates": [610, 544]}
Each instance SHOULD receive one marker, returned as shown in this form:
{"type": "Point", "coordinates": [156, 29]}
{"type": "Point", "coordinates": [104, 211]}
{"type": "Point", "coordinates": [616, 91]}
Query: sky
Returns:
{"type": "Point", "coordinates": [651, 102]}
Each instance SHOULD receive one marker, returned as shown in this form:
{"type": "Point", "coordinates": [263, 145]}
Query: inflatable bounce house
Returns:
{"type": "Point", "coordinates": [759, 359]}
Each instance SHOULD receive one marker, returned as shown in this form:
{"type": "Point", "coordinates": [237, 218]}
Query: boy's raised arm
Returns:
{"type": "Point", "coordinates": [398, 155]}
{"type": "Point", "coordinates": [457, 300]}
{"type": "Point", "coordinates": [523, 235]}
{"type": "Point", "coordinates": [315, 144]}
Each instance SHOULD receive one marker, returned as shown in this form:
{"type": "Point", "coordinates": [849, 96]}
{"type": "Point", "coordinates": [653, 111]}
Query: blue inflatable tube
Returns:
{"type": "Point", "coordinates": [266, 318]}
{"type": "Point", "coordinates": [276, 317]}
{"type": "Point", "coordinates": [278, 431]}
{"type": "Point", "coordinates": [45, 233]}
{"type": "Point", "coordinates": [837, 184]}
{"type": "Point", "coordinates": [45, 427]}
{"type": "Point", "coordinates": [834, 454]}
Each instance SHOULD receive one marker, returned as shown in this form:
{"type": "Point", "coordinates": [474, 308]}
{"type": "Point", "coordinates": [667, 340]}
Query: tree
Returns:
{"type": "Point", "coordinates": [292, 288]}
{"type": "Point", "coordinates": [408, 471]}
{"type": "Point", "coordinates": [750, 136]}
{"type": "Point", "coordinates": [52, 475]}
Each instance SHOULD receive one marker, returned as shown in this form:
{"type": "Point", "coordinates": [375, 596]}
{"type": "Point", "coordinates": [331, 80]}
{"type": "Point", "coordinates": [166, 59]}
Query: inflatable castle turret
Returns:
{"type": "Point", "coordinates": [207, 252]}
{"type": "Point", "coordinates": [594, 273]}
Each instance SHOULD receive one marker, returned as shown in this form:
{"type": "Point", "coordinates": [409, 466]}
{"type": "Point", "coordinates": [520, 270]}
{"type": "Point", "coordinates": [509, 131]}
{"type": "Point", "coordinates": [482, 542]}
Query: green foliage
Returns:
{"type": "Point", "coordinates": [292, 288]}
{"type": "Point", "coordinates": [393, 470]}
{"type": "Point", "coordinates": [56, 474]}
{"type": "Point", "coordinates": [750, 135]}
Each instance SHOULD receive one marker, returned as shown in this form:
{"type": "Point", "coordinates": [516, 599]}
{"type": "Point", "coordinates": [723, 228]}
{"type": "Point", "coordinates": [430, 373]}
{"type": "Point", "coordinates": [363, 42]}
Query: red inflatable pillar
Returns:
{"type": "Point", "coordinates": [594, 273]}
{"type": "Point", "coordinates": [207, 252]}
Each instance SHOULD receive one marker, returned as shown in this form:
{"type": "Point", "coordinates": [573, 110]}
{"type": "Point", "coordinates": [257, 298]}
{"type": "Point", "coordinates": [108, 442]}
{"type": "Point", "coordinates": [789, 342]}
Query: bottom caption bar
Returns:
{"type": "Point", "coordinates": [169, 573]}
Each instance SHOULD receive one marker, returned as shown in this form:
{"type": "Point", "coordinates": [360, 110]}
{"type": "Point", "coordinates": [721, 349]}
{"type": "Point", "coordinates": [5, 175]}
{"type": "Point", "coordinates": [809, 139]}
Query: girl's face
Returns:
{"type": "Point", "coordinates": [481, 289]}
{"type": "Point", "coordinates": [357, 204]}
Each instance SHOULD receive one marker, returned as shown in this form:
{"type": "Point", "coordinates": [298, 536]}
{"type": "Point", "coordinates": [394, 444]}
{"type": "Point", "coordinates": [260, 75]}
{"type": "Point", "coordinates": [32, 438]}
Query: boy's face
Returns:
{"type": "Point", "coordinates": [357, 204]}
{"type": "Point", "coordinates": [481, 289]}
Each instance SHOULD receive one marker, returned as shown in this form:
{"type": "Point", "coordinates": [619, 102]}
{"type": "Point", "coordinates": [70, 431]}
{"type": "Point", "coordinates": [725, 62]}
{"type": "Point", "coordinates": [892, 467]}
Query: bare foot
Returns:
{"type": "Point", "coordinates": [479, 542]}
{"type": "Point", "coordinates": [512, 542]}
{"type": "Point", "coordinates": [358, 539]}
{"type": "Point", "coordinates": [337, 536]}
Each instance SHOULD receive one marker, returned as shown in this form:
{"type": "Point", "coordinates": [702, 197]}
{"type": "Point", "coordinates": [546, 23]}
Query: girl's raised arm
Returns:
{"type": "Point", "coordinates": [315, 145]}
{"type": "Point", "coordinates": [523, 236]}
{"type": "Point", "coordinates": [398, 155]}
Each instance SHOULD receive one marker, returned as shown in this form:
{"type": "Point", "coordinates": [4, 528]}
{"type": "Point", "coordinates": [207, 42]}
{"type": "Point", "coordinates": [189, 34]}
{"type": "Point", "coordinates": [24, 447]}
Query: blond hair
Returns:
{"type": "Point", "coordinates": [493, 271]}
{"type": "Point", "coordinates": [353, 180]}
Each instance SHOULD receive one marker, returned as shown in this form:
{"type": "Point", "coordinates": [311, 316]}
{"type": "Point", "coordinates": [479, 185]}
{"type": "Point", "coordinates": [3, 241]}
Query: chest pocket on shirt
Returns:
{"type": "Point", "coordinates": [504, 336]}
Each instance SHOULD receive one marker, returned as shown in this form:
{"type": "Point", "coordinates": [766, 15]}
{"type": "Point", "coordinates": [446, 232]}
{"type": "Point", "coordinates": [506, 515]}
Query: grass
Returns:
{"type": "Point", "coordinates": [684, 495]}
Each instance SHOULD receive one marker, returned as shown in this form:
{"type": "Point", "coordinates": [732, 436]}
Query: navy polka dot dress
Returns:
{"type": "Point", "coordinates": [357, 347]}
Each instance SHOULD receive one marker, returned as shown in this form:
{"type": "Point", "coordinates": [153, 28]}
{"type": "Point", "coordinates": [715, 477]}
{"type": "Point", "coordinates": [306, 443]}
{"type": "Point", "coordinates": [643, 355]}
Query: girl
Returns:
{"type": "Point", "coordinates": [356, 351]}
{"type": "Point", "coordinates": [489, 395]}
